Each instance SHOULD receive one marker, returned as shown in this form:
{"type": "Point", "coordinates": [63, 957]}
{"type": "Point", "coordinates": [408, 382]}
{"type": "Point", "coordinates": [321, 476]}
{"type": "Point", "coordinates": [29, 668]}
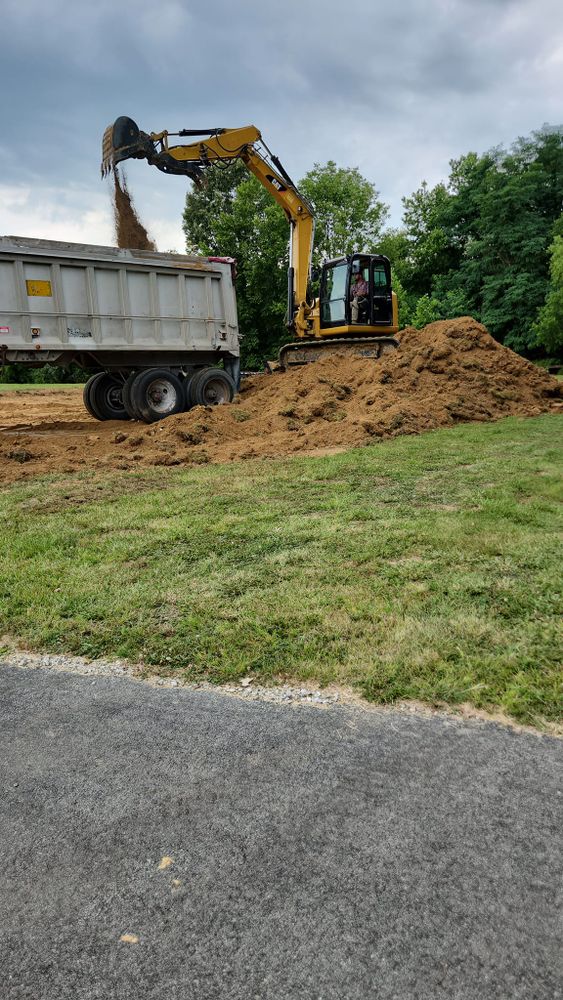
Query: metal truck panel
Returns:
{"type": "Point", "coordinates": [71, 298]}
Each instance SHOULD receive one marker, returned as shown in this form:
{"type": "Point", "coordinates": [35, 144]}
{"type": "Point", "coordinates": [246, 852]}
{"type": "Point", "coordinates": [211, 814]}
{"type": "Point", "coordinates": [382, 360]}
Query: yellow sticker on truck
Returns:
{"type": "Point", "coordinates": [38, 287]}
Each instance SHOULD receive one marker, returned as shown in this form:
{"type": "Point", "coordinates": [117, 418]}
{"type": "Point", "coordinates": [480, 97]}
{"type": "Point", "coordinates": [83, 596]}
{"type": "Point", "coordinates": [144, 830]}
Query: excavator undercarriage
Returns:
{"type": "Point", "coordinates": [303, 352]}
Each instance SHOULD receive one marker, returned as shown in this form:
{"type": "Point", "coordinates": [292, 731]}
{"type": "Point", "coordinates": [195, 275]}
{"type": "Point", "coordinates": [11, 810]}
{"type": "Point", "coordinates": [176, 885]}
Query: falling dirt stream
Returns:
{"type": "Point", "coordinates": [129, 230]}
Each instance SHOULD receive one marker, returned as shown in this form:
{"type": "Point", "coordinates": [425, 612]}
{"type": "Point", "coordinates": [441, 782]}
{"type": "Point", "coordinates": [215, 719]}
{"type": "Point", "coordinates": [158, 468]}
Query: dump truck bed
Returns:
{"type": "Point", "coordinates": [103, 306]}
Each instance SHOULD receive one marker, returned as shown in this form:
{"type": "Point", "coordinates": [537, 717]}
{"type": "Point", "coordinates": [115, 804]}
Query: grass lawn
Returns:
{"type": "Point", "coordinates": [423, 567]}
{"type": "Point", "coordinates": [32, 386]}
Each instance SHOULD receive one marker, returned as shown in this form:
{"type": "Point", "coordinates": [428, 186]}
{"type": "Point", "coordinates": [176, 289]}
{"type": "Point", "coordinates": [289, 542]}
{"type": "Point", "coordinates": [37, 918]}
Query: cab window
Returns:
{"type": "Point", "coordinates": [382, 302]}
{"type": "Point", "coordinates": [333, 294]}
{"type": "Point", "coordinates": [379, 279]}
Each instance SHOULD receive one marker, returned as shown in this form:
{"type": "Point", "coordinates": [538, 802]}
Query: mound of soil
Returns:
{"type": "Point", "coordinates": [450, 372]}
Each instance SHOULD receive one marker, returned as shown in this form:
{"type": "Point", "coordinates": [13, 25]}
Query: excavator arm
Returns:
{"type": "Point", "coordinates": [123, 140]}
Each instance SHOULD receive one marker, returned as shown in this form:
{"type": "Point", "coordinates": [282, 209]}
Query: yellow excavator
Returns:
{"type": "Point", "coordinates": [356, 309]}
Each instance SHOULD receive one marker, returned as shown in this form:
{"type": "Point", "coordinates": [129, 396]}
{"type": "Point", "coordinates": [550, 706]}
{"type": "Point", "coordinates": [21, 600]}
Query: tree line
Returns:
{"type": "Point", "coordinates": [487, 242]}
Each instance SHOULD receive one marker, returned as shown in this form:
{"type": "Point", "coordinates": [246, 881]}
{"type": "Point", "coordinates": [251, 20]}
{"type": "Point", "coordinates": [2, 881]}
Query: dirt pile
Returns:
{"type": "Point", "coordinates": [129, 230]}
{"type": "Point", "coordinates": [450, 372]}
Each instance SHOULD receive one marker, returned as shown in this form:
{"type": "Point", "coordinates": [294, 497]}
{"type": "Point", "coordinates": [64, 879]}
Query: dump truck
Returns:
{"type": "Point", "coordinates": [157, 331]}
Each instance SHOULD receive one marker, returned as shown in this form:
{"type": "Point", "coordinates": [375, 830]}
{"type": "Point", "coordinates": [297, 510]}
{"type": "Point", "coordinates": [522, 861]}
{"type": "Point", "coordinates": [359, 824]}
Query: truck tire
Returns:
{"type": "Point", "coordinates": [188, 382]}
{"type": "Point", "coordinates": [190, 387]}
{"type": "Point", "coordinates": [102, 397]}
{"type": "Point", "coordinates": [86, 398]}
{"type": "Point", "coordinates": [105, 397]}
{"type": "Point", "coordinates": [212, 387]}
{"type": "Point", "coordinates": [157, 393]}
{"type": "Point", "coordinates": [127, 400]}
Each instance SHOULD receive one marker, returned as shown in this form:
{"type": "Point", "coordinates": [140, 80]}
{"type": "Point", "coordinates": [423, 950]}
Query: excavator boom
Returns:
{"type": "Point", "coordinates": [342, 315]}
{"type": "Point", "coordinates": [123, 141]}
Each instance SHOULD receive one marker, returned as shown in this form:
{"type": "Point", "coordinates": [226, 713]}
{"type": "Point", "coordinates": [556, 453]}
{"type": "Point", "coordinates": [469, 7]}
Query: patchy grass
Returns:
{"type": "Point", "coordinates": [34, 386]}
{"type": "Point", "coordinates": [424, 567]}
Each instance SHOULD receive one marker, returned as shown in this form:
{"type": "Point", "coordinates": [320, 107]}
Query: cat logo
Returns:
{"type": "Point", "coordinates": [275, 183]}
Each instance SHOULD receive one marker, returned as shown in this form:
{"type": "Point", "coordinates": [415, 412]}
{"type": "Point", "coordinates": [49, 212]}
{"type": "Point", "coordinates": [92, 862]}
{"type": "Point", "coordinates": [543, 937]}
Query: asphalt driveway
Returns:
{"type": "Point", "coordinates": [165, 843]}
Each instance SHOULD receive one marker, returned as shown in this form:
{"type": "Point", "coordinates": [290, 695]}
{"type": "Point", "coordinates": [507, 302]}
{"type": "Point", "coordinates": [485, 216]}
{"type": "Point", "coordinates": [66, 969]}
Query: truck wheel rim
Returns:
{"type": "Point", "coordinates": [216, 392]}
{"type": "Point", "coordinates": [162, 396]}
{"type": "Point", "coordinates": [114, 398]}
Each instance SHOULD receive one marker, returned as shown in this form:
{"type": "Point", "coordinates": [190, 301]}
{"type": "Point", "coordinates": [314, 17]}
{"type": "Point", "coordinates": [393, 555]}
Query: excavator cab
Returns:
{"type": "Point", "coordinates": [355, 294]}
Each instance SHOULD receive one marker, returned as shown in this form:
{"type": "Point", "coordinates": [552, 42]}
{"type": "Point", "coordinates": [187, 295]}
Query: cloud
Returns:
{"type": "Point", "coordinates": [58, 213]}
{"type": "Point", "coordinates": [72, 215]}
{"type": "Point", "coordinates": [397, 90]}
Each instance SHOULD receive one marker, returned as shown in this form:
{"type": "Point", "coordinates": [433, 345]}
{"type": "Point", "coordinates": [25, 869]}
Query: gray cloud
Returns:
{"type": "Point", "coordinates": [394, 89]}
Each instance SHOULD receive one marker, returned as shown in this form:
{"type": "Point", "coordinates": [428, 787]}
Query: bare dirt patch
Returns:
{"type": "Point", "coordinates": [450, 372]}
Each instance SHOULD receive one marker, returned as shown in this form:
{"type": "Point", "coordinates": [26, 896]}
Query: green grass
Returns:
{"type": "Point", "coordinates": [33, 386]}
{"type": "Point", "coordinates": [423, 567]}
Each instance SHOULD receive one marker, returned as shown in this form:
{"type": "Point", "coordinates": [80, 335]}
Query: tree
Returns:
{"type": "Point", "coordinates": [430, 249]}
{"type": "Point", "coordinates": [238, 218]}
{"type": "Point", "coordinates": [255, 232]}
{"type": "Point", "coordinates": [395, 244]}
{"type": "Point", "coordinates": [478, 245]}
{"type": "Point", "coordinates": [233, 216]}
{"type": "Point", "coordinates": [518, 206]}
{"type": "Point", "coordinates": [348, 212]}
{"type": "Point", "coordinates": [205, 205]}
{"type": "Point", "coordinates": [549, 327]}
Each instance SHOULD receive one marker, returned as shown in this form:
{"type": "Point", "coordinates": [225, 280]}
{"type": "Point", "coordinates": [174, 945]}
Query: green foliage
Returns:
{"type": "Point", "coordinates": [395, 244]}
{"type": "Point", "coordinates": [205, 205]}
{"type": "Point", "coordinates": [48, 374]}
{"type": "Point", "coordinates": [428, 310]}
{"type": "Point", "coordinates": [549, 328]}
{"type": "Point", "coordinates": [16, 374]}
{"type": "Point", "coordinates": [254, 231]}
{"type": "Point", "coordinates": [479, 245]}
{"type": "Point", "coordinates": [432, 249]}
{"type": "Point", "coordinates": [518, 209]}
{"type": "Point", "coordinates": [348, 213]}
{"type": "Point", "coordinates": [407, 303]}
{"type": "Point", "coordinates": [235, 216]}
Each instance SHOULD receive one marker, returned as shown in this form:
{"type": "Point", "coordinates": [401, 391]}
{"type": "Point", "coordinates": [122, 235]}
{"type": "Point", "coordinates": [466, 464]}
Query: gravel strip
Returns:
{"type": "Point", "coordinates": [248, 689]}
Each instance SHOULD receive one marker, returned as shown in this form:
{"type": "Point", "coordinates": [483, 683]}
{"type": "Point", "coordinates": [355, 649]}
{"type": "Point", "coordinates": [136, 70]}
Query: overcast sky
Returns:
{"type": "Point", "coordinates": [395, 88]}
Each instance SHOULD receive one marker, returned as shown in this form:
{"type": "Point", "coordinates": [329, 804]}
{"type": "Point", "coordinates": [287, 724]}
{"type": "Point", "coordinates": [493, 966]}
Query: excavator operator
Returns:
{"type": "Point", "coordinates": [359, 291]}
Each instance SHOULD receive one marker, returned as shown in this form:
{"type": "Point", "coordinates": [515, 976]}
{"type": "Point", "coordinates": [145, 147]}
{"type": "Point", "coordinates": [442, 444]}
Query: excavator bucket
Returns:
{"type": "Point", "coordinates": [122, 141]}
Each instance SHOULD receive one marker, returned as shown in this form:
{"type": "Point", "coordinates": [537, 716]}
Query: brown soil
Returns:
{"type": "Point", "coordinates": [129, 230]}
{"type": "Point", "coordinates": [450, 372]}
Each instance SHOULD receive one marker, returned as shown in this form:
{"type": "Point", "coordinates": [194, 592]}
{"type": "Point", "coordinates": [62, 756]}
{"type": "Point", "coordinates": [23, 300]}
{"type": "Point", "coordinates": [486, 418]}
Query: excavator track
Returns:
{"type": "Point", "coordinates": [300, 353]}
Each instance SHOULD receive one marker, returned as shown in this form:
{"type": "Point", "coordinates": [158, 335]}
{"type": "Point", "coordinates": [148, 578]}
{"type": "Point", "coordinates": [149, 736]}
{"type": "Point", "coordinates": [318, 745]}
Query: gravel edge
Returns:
{"type": "Point", "coordinates": [249, 690]}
